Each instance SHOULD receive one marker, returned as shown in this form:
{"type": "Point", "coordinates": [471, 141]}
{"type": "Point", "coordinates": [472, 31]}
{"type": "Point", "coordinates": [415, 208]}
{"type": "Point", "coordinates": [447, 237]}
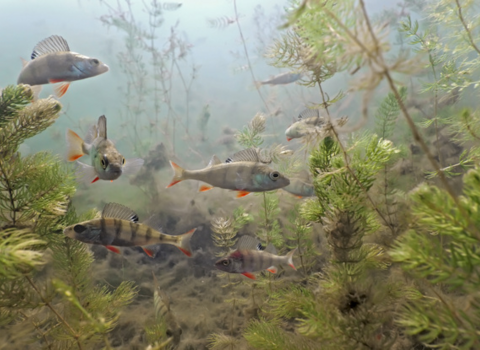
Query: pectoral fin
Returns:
{"type": "Point", "coordinates": [148, 252]}
{"type": "Point", "coordinates": [113, 249]}
{"type": "Point", "coordinates": [249, 275]}
{"type": "Point", "coordinates": [204, 188]}
{"type": "Point", "coordinates": [242, 194]}
{"type": "Point", "coordinates": [61, 88]}
{"type": "Point", "coordinates": [272, 269]}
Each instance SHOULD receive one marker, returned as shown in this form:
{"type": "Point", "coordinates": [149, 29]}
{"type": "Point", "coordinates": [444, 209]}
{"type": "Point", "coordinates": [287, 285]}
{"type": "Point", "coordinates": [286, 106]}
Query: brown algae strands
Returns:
{"type": "Point", "coordinates": [244, 172]}
{"type": "Point", "coordinates": [107, 162]}
{"type": "Point", "coordinates": [250, 257]}
{"type": "Point", "coordinates": [119, 227]}
{"type": "Point", "coordinates": [53, 62]}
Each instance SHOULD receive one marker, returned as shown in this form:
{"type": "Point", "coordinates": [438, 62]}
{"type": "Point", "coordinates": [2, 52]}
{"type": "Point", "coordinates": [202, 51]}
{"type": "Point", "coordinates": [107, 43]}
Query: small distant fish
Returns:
{"type": "Point", "coordinates": [250, 257]}
{"type": "Point", "coordinates": [171, 6]}
{"type": "Point", "coordinates": [244, 172]}
{"type": "Point", "coordinates": [119, 227]}
{"type": "Point", "coordinates": [53, 62]}
{"type": "Point", "coordinates": [220, 22]}
{"type": "Point", "coordinates": [300, 188]}
{"type": "Point", "coordinates": [306, 123]}
{"type": "Point", "coordinates": [161, 303]}
{"type": "Point", "coordinates": [107, 162]}
{"type": "Point", "coordinates": [284, 78]}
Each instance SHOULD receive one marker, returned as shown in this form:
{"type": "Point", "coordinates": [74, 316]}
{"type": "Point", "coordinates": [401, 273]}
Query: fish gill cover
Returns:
{"type": "Point", "coordinates": [384, 237]}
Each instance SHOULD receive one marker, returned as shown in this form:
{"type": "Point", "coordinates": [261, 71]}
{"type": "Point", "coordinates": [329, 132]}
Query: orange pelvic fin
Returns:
{"type": "Point", "coordinates": [204, 188]}
{"type": "Point", "coordinates": [272, 269]}
{"type": "Point", "coordinates": [242, 194]}
{"type": "Point", "coordinates": [61, 89]}
{"type": "Point", "coordinates": [249, 275]}
{"type": "Point", "coordinates": [289, 139]}
{"type": "Point", "coordinates": [113, 249]}
{"type": "Point", "coordinates": [148, 252]}
{"type": "Point", "coordinates": [95, 179]}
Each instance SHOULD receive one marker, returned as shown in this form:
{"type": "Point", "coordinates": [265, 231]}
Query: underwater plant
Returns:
{"type": "Point", "coordinates": [47, 293]}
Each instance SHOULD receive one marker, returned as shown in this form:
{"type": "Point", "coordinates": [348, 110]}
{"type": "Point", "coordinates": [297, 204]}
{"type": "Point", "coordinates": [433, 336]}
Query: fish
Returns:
{"type": "Point", "coordinates": [300, 188]}
{"type": "Point", "coordinates": [250, 257]}
{"type": "Point", "coordinates": [244, 172]}
{"type": "Point", "coordinates": [161, 303]}
{"type": "Point", "coordinates": [107, 162]}
{"type": "Point", "coordinates": [281, 79]}
{"type": "Point", "coordinates": [119, 226]}
{"type": "Point", "coordinates": [307, 122]}
{"type": "Point", "coordinates": [53, 62]}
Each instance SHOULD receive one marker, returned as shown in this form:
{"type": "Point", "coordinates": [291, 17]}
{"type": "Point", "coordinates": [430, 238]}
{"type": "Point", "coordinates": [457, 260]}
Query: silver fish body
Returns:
{"type": "Point", "coordinates": [244, 172]}
{"type": "Point", "coordinates": [119, 227]}
{"type": "Point", "coordinates": [60, 66]}
{"type": "Point", "coordinates": [250, 257]}
{"type": "Point", "coordinates": [106, 162]}
{"type": "Point", "coordinates": [284, 78]}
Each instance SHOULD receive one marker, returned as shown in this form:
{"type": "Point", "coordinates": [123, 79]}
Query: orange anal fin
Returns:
{"type": "Point", "coordinates": [186, 252]}
{"type": "Point", "coordinates": [272, 269]}
{"type": "Point", "coordinates": [289, 139]}
{"type": "Point", "coordinates": [204, 188]}
{"type": "Point", "coordinates": [299, 197]}
{"type": "Point", "coordinates": [148, 252]}
{"type": "Point", "coordinates": [113, 249]}
{"type": "Point", "coordinates": [74, 157]}
{"type": "Point", "coordinates": [111, 180]}
{"type": "Point", "coordinates": [95, 179]}
{"type": "Point", "coordinates": [249, 275]}
{"type": "Point", "coordinates": [173, 183]}
{"type": "Point", "coordinates": [61, 89]}
{"type": "Point", "coordinates": [241, 194]}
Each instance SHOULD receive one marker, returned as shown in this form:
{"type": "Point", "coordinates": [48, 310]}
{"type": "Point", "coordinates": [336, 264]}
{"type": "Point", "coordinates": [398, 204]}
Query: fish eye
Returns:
{"type": "Point", "coordinates": [123, 161]}
{"type": "Point", "coordinates": [225, 262]}
{"type": "Point", "coordinates": [104, 162]}
{"type": "Point", "coordinates": [79, 228]}
{"type": "Point", "coordinates": [274, 175]}
{"type": "Point", "coordinates": [95, 61]}
{"type": "Point", "coordinates": [169, 333]}
{"type": "Point", "coordinates": [180, 331]}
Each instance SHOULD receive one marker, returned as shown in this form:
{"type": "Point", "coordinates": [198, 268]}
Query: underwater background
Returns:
{"type": "Point", "coordinates": [383, 222]}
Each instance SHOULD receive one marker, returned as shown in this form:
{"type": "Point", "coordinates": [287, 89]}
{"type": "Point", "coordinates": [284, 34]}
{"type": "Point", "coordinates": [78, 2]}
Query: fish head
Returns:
{"type": "Point", "coordinates": [174, 332]}
{"type": "Point", "coordinates": [85, 232]}
{"type": "Point", "coordinates": [232, 263]}
{"type": "Point", "coordinates": [266, 179]}
{"type": "Point", "coordinates": [295, 131]}
{"type": "Point", "coordinates": [88, 66]}
{"type": "Point", "coordinates": [109, 165]}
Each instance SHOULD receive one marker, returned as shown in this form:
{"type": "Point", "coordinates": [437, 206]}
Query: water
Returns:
{"type": "Point", "coordinates": [179, 89]}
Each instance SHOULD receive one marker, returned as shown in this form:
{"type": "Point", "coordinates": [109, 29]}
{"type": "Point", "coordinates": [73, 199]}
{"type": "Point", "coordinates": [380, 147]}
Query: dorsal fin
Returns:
{"type": "Point", "coordinates": [102, 127]}
{"type": "Point", "coordinates": [118, 211]}
{"type": "Point", "coordinates": [248, 155]}
{"type": "Point", "coordinates": [252, 243]}
{"type": "Point", "coordinates": [54, 43]}
{"type": "Point", "coordinates": [214, 161]}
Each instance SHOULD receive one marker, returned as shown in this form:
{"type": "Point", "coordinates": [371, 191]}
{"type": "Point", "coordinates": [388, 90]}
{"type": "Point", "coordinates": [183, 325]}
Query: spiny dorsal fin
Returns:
{"type": "Point", "coordinates": [118, 211]}
{"type": "Point", "coordinates": [248, 155]}
{"type": "Point", "coordinates": [308, 113]}
{"type": "Point", "coordinates": [102, 127]}
{"type": "Point", "coordinates": [214, 161]}
{"type": "Point", "coordinates": [54, 43]}
{"type": "Point", "coordinates": [252, 243]}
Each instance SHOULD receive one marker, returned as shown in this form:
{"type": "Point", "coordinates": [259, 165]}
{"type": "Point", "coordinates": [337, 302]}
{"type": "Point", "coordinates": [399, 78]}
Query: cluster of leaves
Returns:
{"type": "Point", "coordinates": [34, 209]}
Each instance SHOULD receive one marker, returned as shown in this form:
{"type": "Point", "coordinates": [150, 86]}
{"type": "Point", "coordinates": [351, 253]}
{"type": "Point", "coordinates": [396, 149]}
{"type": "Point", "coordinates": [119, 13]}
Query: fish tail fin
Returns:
{"type": "Point", "coordinates": [178, 174]}
{"type": "Point", "coordinates": [257, 84]}
{"type": "Point", "coordinates": [75, 145]}
{"type": "Point", "coordinates": [289, 258]}
{"type": "Point", "coordinates": [184, 244]}
{"type": "Point", "coordinates": [102, 127]}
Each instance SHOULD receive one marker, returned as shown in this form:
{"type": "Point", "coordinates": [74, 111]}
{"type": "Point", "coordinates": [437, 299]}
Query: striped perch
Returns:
{"type": "Point", "coordinates": [119, 227]}
{"type": "Point", "coordinates": [250, 257]}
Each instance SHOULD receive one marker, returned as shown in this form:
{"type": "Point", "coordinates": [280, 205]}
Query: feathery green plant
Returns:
{"type": "Point", "coordinates": [62, 306]}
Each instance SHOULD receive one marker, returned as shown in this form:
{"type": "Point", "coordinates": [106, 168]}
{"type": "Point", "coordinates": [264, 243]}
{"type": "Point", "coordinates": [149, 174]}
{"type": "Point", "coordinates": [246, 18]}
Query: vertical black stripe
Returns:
{"type": "Point", "coordinates": [148, 235]}
{"type": "Point", "coordinates": [102, 226]}
{"type": "Point", "coordinates": [118, 228]}
{"type": "Point", "coordinates": [133, 230]}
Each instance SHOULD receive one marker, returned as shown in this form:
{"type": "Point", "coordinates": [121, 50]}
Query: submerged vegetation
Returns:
{"type": "Point", "coordinates": [387, 246]}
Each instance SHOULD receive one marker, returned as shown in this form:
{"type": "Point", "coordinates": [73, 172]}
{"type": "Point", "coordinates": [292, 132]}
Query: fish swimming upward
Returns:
{"type": "Point", "coordinates": [281, 79]}
{"type": "Point", "coordinates": [244, 172]}
{"type": "Point", "coordinates": [306, 123]}
{"type": "Point", "coordinates": [107, 162]}
{"type": "Point", "coordinates": [119, 227]}
{"type": "Point", "coordinates": [249, 257]}
{"type": "Point", "coordinates": [53, 62]}
{"type": "Point", "coordinates": [161, 303]}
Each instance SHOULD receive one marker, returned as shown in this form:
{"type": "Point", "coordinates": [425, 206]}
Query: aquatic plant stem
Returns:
{"type": "Point", "coordinates": [347, 165]}
{"type": "Point", "coordinates": [42, 334]}
{"type": "Point", "coordinates": [469, 34]}
{"type": "Point", "coordinates": [250, 66]}
{"type": "Point", "coordinates": [13, 209]}
{"type": "Point", "coordinates": [60, 318]}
